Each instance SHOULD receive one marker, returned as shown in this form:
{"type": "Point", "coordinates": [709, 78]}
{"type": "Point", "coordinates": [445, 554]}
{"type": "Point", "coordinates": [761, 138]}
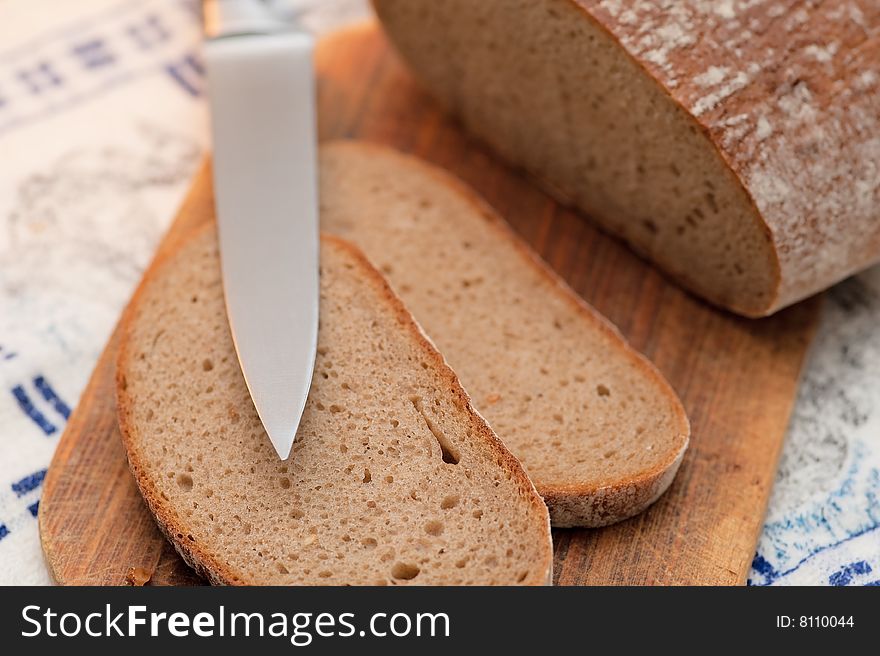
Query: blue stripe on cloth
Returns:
{"type": "Point", "coordinates": [94, 54]}
{"type": "Point", "coordinates": [27, 406]}
{"type": "Point", "coordinates": [150, 25]}
{"type": "Point", "coordinates": [34, 508]}
{"type": "Point", "coordinates": [846, 573]}
{"type": "Point", "coordinates": [773, 575]}
{"type": "Point", "coordinates": [762, 566]}
{"type": "Point", "coordinates": [175, 73]}
{"type": "Point", "coordinates": [195, 63]}
{"type": "Point", "coordinates": [28, 483]}
{"type": "Point", "coordinates": [57, 108]}
{"type": "Point", "coordinates": [51, 396]}
{"type": "Point", "coordinates": [3, 531]}
{"type": "Point", "coordinates": [39, 78]}
{"type": "Point", "coordinates": [188, 73]}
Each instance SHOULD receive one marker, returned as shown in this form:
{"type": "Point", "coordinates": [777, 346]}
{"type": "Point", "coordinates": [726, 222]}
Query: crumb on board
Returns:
{"type": "Point", "coordinates": [137, 576]}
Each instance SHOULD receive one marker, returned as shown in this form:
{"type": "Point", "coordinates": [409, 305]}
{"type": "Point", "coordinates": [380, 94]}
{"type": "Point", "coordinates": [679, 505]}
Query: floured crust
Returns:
{"type": "Point", "coordinates": [575, 503]}
{"type": "Point", "coordinates": [175, 528]}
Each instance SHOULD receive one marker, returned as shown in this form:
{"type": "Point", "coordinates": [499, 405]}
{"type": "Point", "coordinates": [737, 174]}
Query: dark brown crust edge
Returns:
{"type": "Point", "coordinates": [218, 573]}
{"type": "Point", "coordinates": [573, 504]}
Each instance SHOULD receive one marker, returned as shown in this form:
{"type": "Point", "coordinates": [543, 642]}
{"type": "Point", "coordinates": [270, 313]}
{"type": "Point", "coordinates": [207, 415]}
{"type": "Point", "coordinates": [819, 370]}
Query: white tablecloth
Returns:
{"type": "Point", "coordinates": [102, 123]}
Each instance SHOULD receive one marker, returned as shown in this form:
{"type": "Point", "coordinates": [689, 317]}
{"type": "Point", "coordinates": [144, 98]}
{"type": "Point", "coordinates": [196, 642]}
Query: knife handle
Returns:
{"type": "Point", "coordinates": [225, 18]}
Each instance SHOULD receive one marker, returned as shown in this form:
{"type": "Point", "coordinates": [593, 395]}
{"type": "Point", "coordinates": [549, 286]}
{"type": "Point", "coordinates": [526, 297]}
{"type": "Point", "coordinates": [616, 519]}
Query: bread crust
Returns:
{"type": "Point", "coordinates": [574, 504]}
{"type": "Point", "coordinates": [174, 528]}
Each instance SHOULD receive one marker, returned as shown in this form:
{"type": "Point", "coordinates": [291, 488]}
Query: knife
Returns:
{"type": "Point", "coordinates": [261, 93]}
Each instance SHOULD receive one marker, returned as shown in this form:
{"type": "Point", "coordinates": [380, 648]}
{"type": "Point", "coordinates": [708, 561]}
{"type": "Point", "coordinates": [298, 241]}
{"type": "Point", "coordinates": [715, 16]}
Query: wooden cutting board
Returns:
{"type": "Point", "coordinates": [737, 378]}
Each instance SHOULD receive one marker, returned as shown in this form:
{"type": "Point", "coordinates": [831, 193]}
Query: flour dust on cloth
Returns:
{"type": "Point", "coordinates": [102, 122]}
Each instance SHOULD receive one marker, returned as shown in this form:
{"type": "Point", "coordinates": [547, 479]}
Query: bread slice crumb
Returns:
{"type": "Point", "coordinates": [598, 429]}
{"type": "Point", "coordinates": [394, 479]}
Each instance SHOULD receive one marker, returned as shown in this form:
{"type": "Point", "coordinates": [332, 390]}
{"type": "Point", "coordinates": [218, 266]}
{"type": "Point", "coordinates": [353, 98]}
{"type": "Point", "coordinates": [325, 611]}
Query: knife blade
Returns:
{"type": "Point", "coordinates": [262, 101]}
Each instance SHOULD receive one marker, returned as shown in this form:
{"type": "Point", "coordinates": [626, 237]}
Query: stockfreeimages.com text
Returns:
{"type": "Point", "coordinates": [299, 628]}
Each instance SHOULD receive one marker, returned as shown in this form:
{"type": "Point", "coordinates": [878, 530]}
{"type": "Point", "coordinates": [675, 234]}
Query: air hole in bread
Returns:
{"type": "Point", "coordinates": [602, 390]}
{"type": "Point", "coordinates": [434, 528]}
{"type": "Point", "coordinates": [185, 482]}
{"type": "Point", "coordinates": [711, 202]}
{"type": "Point", "coordinates": [367, 476]}
{"type": "Point", "coordinates": [284, 482]}
{"type": "Point", "coordinates": [404, 571]}
{"type": "Point", "coordinates": [207, 365]}
{"type": "Point", "coordinates": [449, 501]}
{"type": "Point", "coordinates": [369, 543]}
{"type": "Point", "coordinates": [448, 452]}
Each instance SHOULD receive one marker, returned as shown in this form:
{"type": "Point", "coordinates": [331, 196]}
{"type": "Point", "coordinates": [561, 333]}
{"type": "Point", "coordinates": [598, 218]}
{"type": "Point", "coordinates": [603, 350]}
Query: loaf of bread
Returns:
{"type": "Point", "coordinates": [597, 428]}
{"type": "Point", "coordinates": [735, 144]}
{"type": "Point", "coordinates": [393, 478]}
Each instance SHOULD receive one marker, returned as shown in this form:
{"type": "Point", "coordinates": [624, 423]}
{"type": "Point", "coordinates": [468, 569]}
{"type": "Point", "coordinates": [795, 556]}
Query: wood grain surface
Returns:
{"type": "Point", "coordinates": [736, 377]}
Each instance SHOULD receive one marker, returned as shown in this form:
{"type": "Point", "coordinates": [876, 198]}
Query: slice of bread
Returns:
{"type": "Point", "coordinates": [599, 430]}
{"type": "Point", "coordinates": [394, 478]}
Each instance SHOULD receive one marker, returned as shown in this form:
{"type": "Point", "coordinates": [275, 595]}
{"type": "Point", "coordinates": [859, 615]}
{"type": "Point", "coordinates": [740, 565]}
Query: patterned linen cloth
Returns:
{"type": "Point", "coordinates": [102, 124]}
